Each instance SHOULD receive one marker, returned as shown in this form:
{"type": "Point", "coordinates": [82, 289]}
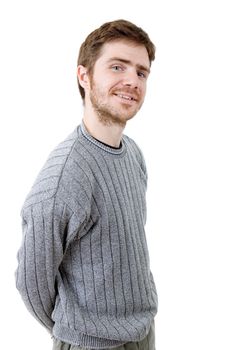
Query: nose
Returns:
{"type": "Point", "coordinates": [132, 79]}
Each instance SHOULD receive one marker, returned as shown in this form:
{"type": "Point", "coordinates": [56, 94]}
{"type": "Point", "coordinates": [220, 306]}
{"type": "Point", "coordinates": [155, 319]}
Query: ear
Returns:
{"type": "Point", "coordinates": [82, 76]}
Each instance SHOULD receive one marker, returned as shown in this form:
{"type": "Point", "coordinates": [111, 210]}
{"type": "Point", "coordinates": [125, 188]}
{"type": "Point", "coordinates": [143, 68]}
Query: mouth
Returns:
{"type": "Point", "coordinates": [126, 97]}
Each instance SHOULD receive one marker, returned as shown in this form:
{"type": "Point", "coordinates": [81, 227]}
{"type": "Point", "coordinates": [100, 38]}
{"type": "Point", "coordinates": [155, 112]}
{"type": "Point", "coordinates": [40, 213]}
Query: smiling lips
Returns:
{"type": "Point", "coordinates": [126, 96]}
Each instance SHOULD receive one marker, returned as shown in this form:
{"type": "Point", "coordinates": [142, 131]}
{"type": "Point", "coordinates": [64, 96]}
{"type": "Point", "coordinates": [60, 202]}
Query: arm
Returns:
{"type": "Point", "coordinates": [39, 258]}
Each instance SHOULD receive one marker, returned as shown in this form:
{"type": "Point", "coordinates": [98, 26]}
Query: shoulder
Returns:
{"type": "Point", "coordinates": [48, 179]}
{"type": "Point", "coordinates": [132, 146]}
{"type": "Point", "coordinates": [135, 151]}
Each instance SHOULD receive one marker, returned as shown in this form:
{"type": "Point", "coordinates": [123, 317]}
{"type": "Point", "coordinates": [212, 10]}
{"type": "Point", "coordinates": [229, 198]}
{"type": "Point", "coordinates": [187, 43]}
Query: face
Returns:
{"type": "Point", "coordinates": [117, 86]}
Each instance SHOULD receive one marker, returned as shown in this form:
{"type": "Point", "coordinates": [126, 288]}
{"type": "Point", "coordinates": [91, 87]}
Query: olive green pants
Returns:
{"type": "Point", "coordinates": [148, 343]}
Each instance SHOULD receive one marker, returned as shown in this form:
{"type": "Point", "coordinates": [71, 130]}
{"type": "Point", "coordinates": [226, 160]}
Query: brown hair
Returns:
{"type": "Point", "coordinates": [120, 29]}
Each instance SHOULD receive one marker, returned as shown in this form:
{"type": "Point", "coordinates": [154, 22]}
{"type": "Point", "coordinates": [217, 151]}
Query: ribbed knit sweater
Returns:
{"type": "Point", "coordinates": [84, 269]}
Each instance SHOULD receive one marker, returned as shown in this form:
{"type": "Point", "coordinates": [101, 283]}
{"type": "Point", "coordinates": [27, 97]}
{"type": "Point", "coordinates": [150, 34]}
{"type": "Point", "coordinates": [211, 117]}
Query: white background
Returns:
{"type": "Point", "coordinates": [184, 129]}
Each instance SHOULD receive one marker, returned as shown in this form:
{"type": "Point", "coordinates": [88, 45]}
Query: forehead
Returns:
{"type": "Point", "coordinates": [125, 50]}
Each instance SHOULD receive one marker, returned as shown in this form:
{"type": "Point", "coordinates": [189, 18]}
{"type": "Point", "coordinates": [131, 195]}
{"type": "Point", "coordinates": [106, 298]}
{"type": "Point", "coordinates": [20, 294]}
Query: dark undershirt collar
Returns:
{"type": "Point", "coordinates": [105, 144]}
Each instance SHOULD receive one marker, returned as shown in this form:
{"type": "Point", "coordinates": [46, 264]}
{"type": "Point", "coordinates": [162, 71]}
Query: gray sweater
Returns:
{"type": "Point", "coordinates": [84, 269]}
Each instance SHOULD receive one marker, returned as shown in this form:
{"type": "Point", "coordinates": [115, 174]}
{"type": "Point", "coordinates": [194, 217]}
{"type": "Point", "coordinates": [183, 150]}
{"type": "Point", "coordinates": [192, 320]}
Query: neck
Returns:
{"type": "Point", "coordinates": [110, 134]}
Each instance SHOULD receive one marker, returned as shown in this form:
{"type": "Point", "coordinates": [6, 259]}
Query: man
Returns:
{"type": "Point", "coordinates": [84, 268]}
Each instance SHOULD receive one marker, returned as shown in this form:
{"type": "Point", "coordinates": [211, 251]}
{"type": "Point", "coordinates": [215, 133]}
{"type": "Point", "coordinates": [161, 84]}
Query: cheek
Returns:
{"type": "Point", "coordinates": [101, 83]}
{"type": "Point", "coordinates": [143, 90]}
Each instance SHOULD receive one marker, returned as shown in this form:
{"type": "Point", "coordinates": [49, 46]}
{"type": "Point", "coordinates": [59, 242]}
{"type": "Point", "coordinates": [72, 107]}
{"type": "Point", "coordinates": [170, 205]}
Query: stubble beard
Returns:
{"type": "Point", "coordinates": [107, 115]}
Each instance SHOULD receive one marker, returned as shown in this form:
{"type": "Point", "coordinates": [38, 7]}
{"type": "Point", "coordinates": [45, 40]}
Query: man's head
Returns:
{"type": "Point", "coordinates": [113, 67]}
{"type": "Point", "coordinates": [91, 48]}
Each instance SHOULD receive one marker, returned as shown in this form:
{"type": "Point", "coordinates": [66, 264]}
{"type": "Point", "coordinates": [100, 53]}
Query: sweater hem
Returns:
{"type": "Point", "coordinates": [74, 337]}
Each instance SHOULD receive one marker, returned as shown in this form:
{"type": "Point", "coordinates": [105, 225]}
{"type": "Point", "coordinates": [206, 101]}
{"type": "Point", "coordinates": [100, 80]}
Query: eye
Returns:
{"type": "Point", "coordinates": [142, 75]}
{"type": "Point", "coordinates": [117, 68]}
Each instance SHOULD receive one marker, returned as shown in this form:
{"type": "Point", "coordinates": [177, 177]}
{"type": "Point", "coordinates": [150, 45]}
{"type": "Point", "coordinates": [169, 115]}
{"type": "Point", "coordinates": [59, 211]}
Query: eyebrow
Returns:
{"type": "Point", "coordinates": [139, 66]}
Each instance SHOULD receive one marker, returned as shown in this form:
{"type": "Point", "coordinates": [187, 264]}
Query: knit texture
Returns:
{"type": "Point", "coordinates": [84, 269]}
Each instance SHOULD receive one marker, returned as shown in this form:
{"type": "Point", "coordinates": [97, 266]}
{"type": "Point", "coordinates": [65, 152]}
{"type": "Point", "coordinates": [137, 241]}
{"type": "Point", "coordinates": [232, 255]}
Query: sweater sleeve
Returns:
{"type": "Point", "coordinates": [46, 228]}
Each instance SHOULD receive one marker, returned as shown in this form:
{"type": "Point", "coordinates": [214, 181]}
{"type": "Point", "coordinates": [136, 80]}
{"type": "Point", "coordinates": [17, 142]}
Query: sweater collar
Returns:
{"type": "Point", "coordinates": [101, 145]}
